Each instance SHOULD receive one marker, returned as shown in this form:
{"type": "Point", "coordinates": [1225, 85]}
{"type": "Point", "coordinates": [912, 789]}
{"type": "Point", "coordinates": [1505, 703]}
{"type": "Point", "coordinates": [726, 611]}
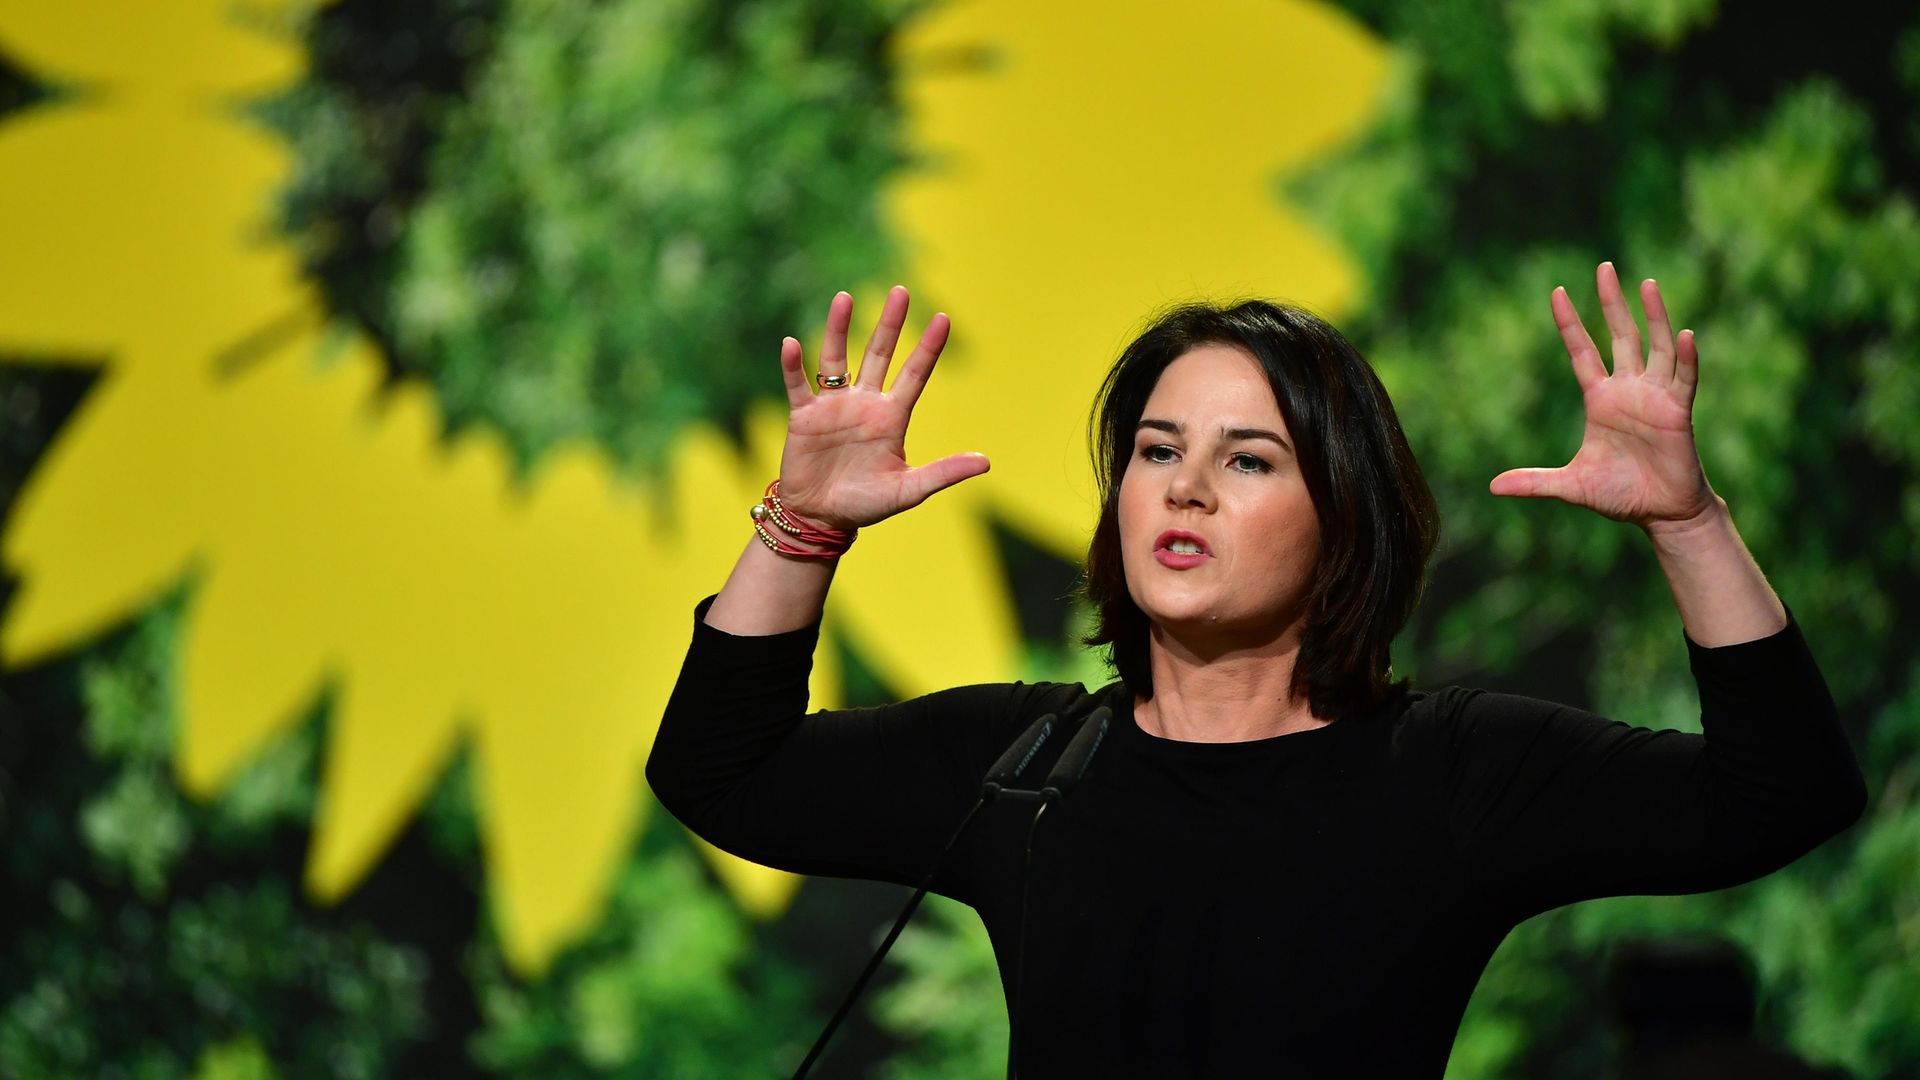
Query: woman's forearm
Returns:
{"type": "Point", "coordinates": [770, 593]}
{"type": "Point", "coordinates": [1723, 597]}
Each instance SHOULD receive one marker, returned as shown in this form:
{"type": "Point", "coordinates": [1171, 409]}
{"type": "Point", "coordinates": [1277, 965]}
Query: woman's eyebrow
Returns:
{"type": "Point", "coordinates": [1235, 434]}
{"type": "Point", "coordinates": [1226, 434]}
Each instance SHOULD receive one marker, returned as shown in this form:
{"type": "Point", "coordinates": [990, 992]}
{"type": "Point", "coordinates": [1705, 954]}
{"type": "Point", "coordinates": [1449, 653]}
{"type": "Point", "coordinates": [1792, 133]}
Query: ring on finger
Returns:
{"type": "Point", "coordinates": [832, 382]}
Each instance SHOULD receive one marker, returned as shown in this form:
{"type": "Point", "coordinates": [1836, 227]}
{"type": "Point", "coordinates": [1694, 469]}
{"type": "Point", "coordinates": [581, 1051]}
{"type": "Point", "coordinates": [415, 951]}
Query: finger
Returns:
{"type": "Point", "coordinates": [793, 371]}
{"type": "Point", "coordinates": [833, 343]}
{"type": "Point", "coordinates": [1686, 369]}
{"type": "Point", "coordinates": [1660, 359]}
{"type": "Point", "coordinates": [1588, 368]}
{"type": "Point", "coordinates": [1626, 335]}
{"type": "Point", "coordinates": [1531, 483]}
{"type": "Point", "coordinates": [886, 335]}
{"type": "Point", "coordinates": [919, 365]}
{"type": "Point", "coordinates": [939, 475]}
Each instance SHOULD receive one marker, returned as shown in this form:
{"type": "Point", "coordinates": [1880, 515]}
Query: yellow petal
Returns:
{"type": "Point", "coordinates": [241, 682]}
{"type": "Point", "coordinates": [113, 257]}
{"type": "Point", "coordinates": [387, 739]}
{"type": "Point", "coordinates": [159, 48]}
{"type": "Point", "coordinates": [101, 527]}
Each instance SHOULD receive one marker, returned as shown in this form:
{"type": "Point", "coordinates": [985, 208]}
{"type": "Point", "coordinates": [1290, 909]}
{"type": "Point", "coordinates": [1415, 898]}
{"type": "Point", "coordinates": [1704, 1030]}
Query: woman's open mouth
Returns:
{"type": "Point", "coordinates": [1181, 550]}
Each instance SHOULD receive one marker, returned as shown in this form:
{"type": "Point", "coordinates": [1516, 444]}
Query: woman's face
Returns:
{"type": "Point", "coordinates": [1213, 467]}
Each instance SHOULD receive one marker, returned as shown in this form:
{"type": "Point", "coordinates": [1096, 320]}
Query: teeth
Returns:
{"type": "Point", "coordinates": [1184, 547]}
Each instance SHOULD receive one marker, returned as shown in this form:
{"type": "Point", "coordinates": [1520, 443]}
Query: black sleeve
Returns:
{"type": "Point", "coordinates": [1548, 804]}
{"type": "Point", "coordinates": [868, 793]}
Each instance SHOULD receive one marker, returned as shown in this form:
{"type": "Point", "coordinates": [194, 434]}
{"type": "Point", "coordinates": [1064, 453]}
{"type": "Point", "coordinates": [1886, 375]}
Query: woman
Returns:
{"type": "Point", "coordinates": [1282, 861]}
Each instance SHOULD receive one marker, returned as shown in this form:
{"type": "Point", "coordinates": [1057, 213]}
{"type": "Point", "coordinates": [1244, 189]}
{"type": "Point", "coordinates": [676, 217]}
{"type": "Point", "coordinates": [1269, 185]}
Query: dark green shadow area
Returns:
{"type": "Point", "coordinates": [17, 89]}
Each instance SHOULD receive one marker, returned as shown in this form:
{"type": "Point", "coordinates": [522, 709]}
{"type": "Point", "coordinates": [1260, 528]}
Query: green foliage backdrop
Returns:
{"type": "Point", "coordinates": [595, 219]}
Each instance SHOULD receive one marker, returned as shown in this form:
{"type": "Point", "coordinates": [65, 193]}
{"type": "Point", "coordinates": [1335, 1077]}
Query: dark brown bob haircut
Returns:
{"type": "Point", "coordinates": [1378, 519]}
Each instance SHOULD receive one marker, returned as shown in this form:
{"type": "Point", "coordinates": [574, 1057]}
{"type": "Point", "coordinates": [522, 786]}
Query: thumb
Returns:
{"type": "Point", "coordinates": [1531, 483]}
{"type": "Point", "coordinates": [941, 474]}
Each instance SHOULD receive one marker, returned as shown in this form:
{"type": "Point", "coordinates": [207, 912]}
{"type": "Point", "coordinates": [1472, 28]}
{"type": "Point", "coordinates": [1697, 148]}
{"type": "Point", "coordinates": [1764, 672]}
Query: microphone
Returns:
{"type": "Point", "coordinates": [1078, 754]}
{"type": "Point", "coordinates": [1015, 760]}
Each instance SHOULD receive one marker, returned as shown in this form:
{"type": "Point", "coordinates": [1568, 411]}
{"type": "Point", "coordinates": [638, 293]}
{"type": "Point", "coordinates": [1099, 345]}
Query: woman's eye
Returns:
{"type": "Point", "coordinates": [1162, 454]}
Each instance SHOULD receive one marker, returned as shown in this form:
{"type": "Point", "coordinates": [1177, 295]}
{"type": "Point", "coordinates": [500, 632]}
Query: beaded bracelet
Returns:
{"type": "Point", "coordinates": [834, 541]}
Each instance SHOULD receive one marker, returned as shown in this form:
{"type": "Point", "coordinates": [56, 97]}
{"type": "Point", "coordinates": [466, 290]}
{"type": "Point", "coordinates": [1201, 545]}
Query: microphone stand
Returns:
{"type": "Point", "coordinates": [1065, 774]}
{"type": "Point", "coordinates": [997, 785]}
{"type": "Point", "coordinates": [873, 965]}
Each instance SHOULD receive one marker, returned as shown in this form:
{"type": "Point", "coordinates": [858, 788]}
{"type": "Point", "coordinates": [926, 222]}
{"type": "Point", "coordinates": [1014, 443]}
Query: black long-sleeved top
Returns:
{"type": "Point", "coordinates": [1317, 903]}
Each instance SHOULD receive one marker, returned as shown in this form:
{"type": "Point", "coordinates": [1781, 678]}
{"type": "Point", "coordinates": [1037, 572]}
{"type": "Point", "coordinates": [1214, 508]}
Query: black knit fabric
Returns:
{"type": "Point", "coordinates": [1318, 903]}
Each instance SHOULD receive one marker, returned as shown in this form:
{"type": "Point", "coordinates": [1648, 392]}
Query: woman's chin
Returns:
{"type": "Point", "coordinates": [1212, 627]}
{"type": "Point", "coordinates": [1188, 618]}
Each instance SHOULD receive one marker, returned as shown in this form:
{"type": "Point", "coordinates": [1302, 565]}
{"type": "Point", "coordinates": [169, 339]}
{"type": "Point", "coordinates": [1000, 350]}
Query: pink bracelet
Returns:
{"type": "Point", "coordinates": [835, 541]}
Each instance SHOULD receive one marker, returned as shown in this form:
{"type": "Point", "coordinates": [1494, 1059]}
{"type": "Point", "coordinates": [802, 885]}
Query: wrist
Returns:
{"type": "Point", "coordinates": [1708, 525]}
{"type": "Point", "coordinates": [1720, 591]}
{"type": "Point", "coordinates": [784, 544]}
{"type": "Point", "coordinates": [787, 534]}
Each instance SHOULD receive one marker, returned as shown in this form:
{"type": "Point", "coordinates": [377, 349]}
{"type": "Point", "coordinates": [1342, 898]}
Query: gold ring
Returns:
{"type": "Point", "coordinates": [832, 382]}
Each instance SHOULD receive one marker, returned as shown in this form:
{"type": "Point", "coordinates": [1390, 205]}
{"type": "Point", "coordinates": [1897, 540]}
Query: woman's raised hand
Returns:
{"type": "Point", "coordinates": [1637, 462]}
{"type": "Point", "coordinates": [845, 464]}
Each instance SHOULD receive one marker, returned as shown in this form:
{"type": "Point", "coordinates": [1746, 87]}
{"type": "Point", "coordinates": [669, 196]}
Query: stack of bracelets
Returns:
{"type": "Point", "coordinates": [833, 542]}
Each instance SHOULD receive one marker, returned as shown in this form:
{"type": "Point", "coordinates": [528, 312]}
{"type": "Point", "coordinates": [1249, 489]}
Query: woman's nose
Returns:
{"type": "Point", "coordinates": [1190, 485]}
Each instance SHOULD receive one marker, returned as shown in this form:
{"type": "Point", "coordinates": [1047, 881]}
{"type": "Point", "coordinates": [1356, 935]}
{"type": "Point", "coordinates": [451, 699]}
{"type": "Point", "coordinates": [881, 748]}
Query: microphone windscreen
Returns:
{"type": "Point", "coordinates": [1079, 753]}
{"type": "Point", "coordinates": [1014, 761]}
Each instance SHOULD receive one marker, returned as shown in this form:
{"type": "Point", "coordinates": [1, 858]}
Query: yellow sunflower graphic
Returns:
{"type": "Point", "coordinates": [337, 540]}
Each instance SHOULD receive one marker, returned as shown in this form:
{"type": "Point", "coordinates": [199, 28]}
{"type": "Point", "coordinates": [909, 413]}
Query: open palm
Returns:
{"type": "Point", "coordinates": [844, 465]}
{"type": "Point", "coordinates": [1637, 462]}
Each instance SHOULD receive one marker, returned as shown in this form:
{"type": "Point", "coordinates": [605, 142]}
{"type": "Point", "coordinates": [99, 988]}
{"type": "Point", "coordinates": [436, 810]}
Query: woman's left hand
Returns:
{"type": "Point", "coordinates": [1637, 462]}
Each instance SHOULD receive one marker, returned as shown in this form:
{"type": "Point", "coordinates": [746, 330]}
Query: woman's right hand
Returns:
{"type": "Point", "coordinates": [845, 464]}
